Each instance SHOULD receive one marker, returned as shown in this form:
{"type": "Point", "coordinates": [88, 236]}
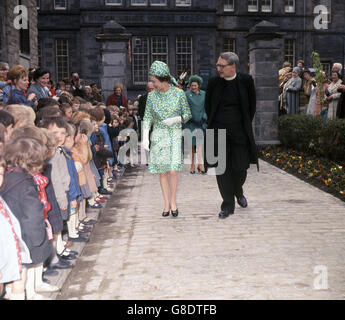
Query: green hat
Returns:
{"type": "Point", "coordinates": [161, 69]}
{"type": "Point", "coordinates": [195, 78]}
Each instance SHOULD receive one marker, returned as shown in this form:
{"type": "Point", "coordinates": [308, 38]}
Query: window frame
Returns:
{"type": "Point", "coordinates": [293, 62]}
{"type": "Point", "coordinates": [183, 5]}
{"type": "Point", "coordinates": [288, 6]}
{"type": "Point", "coordinates": [225, 9]}
{"type": "Point", "coordinates": [113, 4]}
{"type": "Point", "coordinates": [139, 4]}
{"type": "Point", "coordinates": [270, 6]}
{"type": "Point", "coordinates": [249, 6]}
{"type": "Point", "coordinates": [59, 56]}
{"type": "Point", "coordinates": [178, 72]}
{"type": "Point", "coordinates": [61, 8]}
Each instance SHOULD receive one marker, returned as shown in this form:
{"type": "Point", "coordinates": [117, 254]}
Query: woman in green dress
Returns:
{"type": "Point", "coordinates": [197, 125]}
{"type": "Point", "coordinates": [167, 109]}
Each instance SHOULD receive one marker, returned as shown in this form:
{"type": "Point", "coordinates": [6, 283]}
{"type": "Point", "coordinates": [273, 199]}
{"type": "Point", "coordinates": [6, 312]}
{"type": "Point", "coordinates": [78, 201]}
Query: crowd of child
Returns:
{"type": "Point", "coordinates": [58, 156]}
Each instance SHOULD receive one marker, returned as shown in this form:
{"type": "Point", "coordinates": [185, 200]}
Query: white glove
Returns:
{"type": "Point", "coordinates": [171, 121]}
{"type": "Point", "coordinates": [146, 139]}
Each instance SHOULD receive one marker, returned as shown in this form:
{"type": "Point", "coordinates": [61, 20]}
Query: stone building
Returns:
{"type": "Point", "coordinates": [185, 33]}
{"type": "Point", "coordinates": [18, 35]}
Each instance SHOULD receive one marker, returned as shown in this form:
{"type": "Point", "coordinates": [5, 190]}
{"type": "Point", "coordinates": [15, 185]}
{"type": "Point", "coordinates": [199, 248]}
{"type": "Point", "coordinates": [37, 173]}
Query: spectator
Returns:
{"type": "Point", "coordinates": [19, 76]}
{"type": "Point", "coordinates": [320, 96]}
{"type": "Point", "coordinates": [282, 72]}
{"type": "Point", "coordinates": [333, 95]}
{"type": "Point", "coordinates": [40, 88]}
{"type": "Point", "coordinates": [196, 125]}
{"type": "Point", "coordinates": [118, 98]}
{"type": "Point", "coordinates": [23, 116]}
{"type": "Point", "coordinates": [77, 88]}
{"type": "Point", "coordinates": [310, 91]}
{"type": "Point", "coordinates": [4, 69]}
{"type": "Point", "coordinates": [88, 95]}
{"type": "Point", "coordinates": [61, 87]}
{"type": "Point", "coordinates": [25, 157]}
{"type": "Point", "coordinates": [47, 102]}
{"type": "Point", "coordinates": [338, 67]}
{"type": "Point", "coordinates": [67, 111]}
{"type": "Point", "coordinates": [292, 92]}
{"type": "Point", "coordinates": [97, 93]}
{"type": "Point", "coordinates": [7, 120]}
{"type": "Point", "coordinates": [143, 99]}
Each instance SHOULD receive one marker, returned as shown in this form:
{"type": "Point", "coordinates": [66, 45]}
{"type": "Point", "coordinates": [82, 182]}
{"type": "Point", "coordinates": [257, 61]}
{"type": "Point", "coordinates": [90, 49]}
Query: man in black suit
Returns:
{"type": "Point", "coordinates": [143, 99]}
{"type": "Point", "coordinates": [230, 104]}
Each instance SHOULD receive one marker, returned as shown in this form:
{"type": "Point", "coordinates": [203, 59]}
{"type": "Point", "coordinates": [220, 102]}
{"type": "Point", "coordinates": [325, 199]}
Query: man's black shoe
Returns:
{"type": "Point", "coordinates": [225, 213]}
{"type": "Point", "coordinates": [242, 201]}
{"type": "Point", "coordinates": [60, 265]}
{"type": "Point", "coordinates": [79, 239]}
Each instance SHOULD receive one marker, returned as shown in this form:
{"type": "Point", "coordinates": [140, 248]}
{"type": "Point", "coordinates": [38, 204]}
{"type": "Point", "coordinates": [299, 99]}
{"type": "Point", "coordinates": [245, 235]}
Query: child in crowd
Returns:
{"type": "Point", "coordinates": [61, 180]}
{"type": "Point", "coordinates": [61, 86]}
{"type": "Point", "coordinates": [74, 192]}
{"type": "Point", "coordinates": [25, 157]}
{"type": "Point", "coordinates": [100, 155]}
{"type": "Point", "coordinates": [7, 120]}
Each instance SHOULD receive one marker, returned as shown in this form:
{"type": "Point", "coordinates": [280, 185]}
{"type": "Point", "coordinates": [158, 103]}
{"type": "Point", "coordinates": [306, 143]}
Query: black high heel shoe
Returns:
{"type": "Point", "coordinates": [166, 214]}
{"type": "Point", "coordinates": [201, 172]}
{"type": "Point", "coordinates": [175, 213]}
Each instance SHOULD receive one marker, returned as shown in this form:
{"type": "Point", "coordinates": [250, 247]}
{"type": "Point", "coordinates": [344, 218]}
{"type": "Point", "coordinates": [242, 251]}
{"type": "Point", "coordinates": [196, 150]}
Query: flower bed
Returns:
{"type": "Point", "coordinates": [325, 174]}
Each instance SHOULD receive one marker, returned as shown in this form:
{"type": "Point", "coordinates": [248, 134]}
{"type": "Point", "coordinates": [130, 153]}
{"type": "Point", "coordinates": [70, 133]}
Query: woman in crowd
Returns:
{"type": "Point", "coordinates": [333, 95]}
{"type": "Point", "coordinates": [168, 108]}
{"type": "Point", "coordinates": [19, 76]}
{"type": "Point", "coordinates": [197, 125]}
{"type": "Point", "coordinates": [118, 98]}
{"type": "Point", "coordinates": [292, 92]}
{"type": "Point", "coordinates": [40, 88]}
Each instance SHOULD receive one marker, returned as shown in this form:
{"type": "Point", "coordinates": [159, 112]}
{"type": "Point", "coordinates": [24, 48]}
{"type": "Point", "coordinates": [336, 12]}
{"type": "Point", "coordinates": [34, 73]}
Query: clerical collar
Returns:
{"type": "Point", "coordinates": [231, 78]}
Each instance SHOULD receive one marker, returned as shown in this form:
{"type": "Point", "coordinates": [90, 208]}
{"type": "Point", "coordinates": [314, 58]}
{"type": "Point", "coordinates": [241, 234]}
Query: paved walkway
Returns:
{"type": "Point", "coordinates": [288, 244]}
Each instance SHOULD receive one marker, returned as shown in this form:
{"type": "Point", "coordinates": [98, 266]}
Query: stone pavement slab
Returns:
{"type": "Point", "coordinates": [288, 244]}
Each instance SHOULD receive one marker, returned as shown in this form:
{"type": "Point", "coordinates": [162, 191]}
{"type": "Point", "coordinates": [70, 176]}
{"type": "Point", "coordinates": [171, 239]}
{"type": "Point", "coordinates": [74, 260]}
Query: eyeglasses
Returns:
{"type": "Point", "coordinates": [221, 66]}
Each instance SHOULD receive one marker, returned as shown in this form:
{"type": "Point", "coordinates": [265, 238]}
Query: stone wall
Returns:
{"type": "Point", "coordinates": [11, 36]}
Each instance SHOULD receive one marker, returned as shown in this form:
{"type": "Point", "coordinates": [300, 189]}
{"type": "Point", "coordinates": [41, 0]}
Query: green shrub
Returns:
{"type": "Point", "coordinates": [310, 134]}
{"type": "Point", "coordinates": [299, 131]}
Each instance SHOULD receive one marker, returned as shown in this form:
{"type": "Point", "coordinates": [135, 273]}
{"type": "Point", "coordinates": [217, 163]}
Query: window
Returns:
{"type": "Point", "coordinates": [60, 4]}
{"type": "Point", "coordinates": [159, 49]}
{"type": "Point", "coordinates": [289, 51]}
{"type": "Point", "coordinates": [229, 45]}
{"type": "Point", "coordinates": [62, 59]}
{"type": "Point", "coordinates": [266, 5]}
{"type": "Point", "coordinates": [146, 50]}
{"type": "Point", "coordinates": [183, 3]}
{"type": "Point", "coordinates": [184, 55]}
{"type": "Point", "coordinates": [290, 6]}
{"type": "Point", "coordinates": [158, 2]}
{"type": "Point", "coordinates": [139, 2]}
{"type": "Point", "coordinates": [140, 63]}
{"type": "Point", "coordinates": [229, 5]}
{"type": "Point", "coordinates": [113, 2]}
{"type": "Point", "coordinates": [253, 5]}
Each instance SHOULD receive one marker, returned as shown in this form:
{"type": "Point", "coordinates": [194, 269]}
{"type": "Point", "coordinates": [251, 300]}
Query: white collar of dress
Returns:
{"type": "Point", "coordinates": [231, 78]}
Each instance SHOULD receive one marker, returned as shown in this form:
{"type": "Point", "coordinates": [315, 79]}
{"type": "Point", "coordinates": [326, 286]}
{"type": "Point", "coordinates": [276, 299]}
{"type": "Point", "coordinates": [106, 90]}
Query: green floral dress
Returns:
{"type": "Point", "coordinates": [166, 141]}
